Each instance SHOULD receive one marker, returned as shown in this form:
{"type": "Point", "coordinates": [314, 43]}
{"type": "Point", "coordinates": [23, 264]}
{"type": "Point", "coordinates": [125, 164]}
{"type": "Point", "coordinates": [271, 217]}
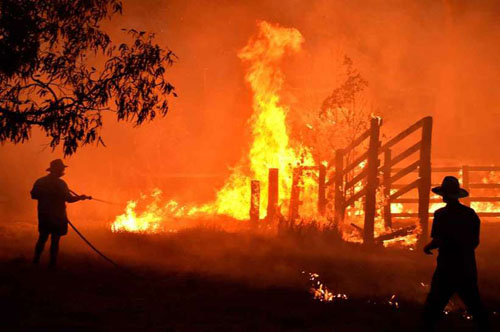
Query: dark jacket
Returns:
{"type": "Point", "coordinates": [52, 194]}
{"type": "Point", "coordinates": [456, 228]}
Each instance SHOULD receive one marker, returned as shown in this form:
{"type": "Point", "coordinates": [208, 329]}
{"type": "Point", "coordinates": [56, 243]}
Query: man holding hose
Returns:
{"type": "Point", "coordinates": [52, 194]}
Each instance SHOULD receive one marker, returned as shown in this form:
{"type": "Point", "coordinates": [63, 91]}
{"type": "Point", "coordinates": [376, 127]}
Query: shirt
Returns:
{"type": "Point", "coordinates": [52, 194]}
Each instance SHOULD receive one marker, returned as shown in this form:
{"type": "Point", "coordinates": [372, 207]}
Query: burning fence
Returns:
{"type": "Point", "coordinates": [354, 191]}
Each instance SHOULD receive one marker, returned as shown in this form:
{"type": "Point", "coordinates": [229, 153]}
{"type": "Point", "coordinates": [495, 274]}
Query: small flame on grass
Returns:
{"type": "Point", "coordinates": [320, 291]}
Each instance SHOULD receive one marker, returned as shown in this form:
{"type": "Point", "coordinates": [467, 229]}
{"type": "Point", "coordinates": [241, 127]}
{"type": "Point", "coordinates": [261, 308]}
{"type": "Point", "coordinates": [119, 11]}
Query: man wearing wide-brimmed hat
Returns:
{"type": "Point", "coordinates": [455, 233]}
{"type": "Point", "coordinates": [52, 194]}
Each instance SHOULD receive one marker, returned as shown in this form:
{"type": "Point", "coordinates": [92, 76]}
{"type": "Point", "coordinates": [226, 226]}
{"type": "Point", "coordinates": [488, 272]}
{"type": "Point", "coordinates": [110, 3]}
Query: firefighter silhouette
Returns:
{"type": "Point", "coordinates": [455, 233]}
{"type": "Point", "coordinates": [52, 194]}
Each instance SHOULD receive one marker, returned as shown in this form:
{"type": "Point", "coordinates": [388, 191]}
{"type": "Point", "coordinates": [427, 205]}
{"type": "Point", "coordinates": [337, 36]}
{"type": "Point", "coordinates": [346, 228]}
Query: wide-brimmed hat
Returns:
{"type": "Point", "coordinates": [450, 187]}
{"type": "Point", "coordinates": [55, 165]}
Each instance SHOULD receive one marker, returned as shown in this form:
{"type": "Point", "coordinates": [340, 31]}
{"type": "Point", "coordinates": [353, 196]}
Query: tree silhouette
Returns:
{"type": "Point", "coordinates": [344, 107]}
{"type": "Point", "coordinates": [59, 71]}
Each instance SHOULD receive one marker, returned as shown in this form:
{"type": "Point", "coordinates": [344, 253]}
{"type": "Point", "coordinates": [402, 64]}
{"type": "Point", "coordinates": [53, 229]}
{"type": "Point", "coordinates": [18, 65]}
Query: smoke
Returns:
{"type": "Point", "coordinates": [419, 58]}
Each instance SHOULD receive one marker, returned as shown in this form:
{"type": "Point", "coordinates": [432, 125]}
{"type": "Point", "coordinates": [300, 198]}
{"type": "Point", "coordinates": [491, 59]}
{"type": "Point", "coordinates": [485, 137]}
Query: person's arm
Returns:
{"type": "Point", "coordinates": [476, 229]}
{"type": "Point", "coordinates": [435, 243]}
{"type": "Point", "coordinates": [70, 197]}
{"type": "Point", "coordinates": [36, 192]}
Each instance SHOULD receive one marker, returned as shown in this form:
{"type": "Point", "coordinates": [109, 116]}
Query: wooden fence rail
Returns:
{"type": "Point", "coordinates": [295, 193]}
{"type": "Point", "coordinates": [464, 174]}
{"type": "Point", "coordinates": [369, 174]}
{"type": "Point", "coordinates": [422, 166]}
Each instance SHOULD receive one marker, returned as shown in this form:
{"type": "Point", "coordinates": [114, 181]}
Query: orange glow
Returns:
{"type": "Point", "coordinates": [271, 146]}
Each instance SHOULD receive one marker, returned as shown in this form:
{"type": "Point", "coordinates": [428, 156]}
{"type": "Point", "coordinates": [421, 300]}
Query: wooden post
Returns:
{"type": "Point", "coordinates": [339, 188]}
{"type": "Point", "coordinates": [293, 212]}
{"type": "Point", "coordinates": [424, 186]}
{"type": "Point", "coordinates": [387, 188]}
{"type": "Point", "coordinates": [254, 201]}
{"type": "Point", "coordinates": [466, 182]}
{"type": "Point", "coordinates": [272, 194]}
{"type": "Point", "coordinates": [371, 181]}
{"type": "Point", "coordinates": [322, 190]}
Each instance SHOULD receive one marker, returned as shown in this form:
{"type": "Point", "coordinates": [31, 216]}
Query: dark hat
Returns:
{"type": "Point", "coordinates": [450, 188]}
{"type": "Point", "coordinates": [56, 164]}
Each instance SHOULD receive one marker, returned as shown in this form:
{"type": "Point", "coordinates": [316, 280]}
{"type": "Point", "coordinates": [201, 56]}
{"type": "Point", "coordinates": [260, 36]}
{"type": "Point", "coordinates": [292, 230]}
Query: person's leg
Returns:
{"type": "Point", "coordinates": [54, 249]}
{"type": "Point", "coordinates": [40, 244]}
{"type": "Point", "coordinates": [469, 293]}
{"type": "Point", "coordinates": [439, 295]}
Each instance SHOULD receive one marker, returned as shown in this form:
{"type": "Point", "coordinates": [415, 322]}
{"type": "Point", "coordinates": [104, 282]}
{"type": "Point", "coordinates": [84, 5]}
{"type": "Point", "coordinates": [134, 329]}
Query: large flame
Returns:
{"type": "Point", "coordinates": [271, 146]}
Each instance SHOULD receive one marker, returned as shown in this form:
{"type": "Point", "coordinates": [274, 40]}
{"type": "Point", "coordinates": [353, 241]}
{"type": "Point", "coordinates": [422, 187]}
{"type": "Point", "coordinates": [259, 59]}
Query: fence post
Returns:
{"type": "Point", "coordinates": [293, 212]}
{"type": "Point", "coordinates": [272, 194]}
{"type": "Point", "coordinates": [466, 182]}
{"type": "Point", "coordinates": [339, 188]}
{"type": "Point", "coordinates": [424, 186]}
{"type": "Point", "coordinates": [387, 188]}
{"type": "Point", "coordinates": [254, 201]}
{"type": "Point", "coordinates": [322, 190]}
{"type": "Point", "coordinates": [371, 181]}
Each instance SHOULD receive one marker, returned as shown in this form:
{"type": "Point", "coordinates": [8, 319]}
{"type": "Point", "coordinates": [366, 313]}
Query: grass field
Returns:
{"type": "Point", "coordinates": [210, 280]}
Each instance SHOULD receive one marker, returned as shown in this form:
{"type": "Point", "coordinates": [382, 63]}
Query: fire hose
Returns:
{"type": "Point", "coordinates": [93, 247]}
{"type": "Point", "coordinates": [95, 199]}
{"type": "Point", "coordinates": [109, 260]}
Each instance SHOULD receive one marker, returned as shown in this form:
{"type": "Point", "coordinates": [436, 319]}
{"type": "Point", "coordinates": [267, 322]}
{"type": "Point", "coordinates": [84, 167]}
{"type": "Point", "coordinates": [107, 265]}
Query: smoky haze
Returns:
{"type": "Point", "coordinates": [420, 58]}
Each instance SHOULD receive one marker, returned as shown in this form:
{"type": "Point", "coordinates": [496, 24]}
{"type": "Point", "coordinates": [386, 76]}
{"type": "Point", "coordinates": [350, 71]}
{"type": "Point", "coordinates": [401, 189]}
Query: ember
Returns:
{"type": "Point", "coordinates": [320, 291]}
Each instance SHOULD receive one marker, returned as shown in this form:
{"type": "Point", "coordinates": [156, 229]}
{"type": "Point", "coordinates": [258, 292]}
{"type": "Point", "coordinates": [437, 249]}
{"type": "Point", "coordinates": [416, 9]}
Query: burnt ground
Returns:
{"type": "Point", "coordinates": [209, 280]}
